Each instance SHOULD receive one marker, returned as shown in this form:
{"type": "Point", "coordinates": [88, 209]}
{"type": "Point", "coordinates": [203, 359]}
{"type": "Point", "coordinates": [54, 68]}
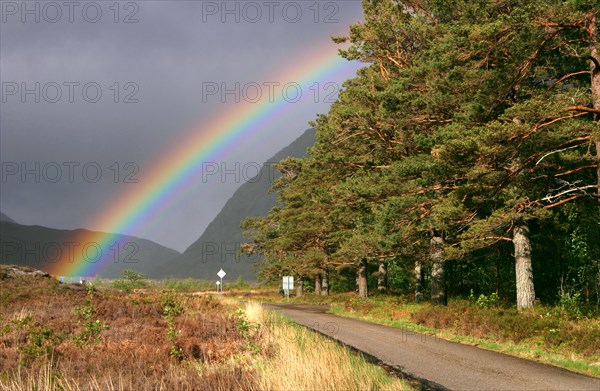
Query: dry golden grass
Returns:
{"type": "Point", "coordinates": [220, 349]}
{"type": "Point", "coordinates": [303, 360]}
{"type": "Point", "coordinates": [221, 377]}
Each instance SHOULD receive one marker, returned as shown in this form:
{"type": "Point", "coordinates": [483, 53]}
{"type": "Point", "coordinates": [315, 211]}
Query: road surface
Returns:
{"type": "Point", "coordinates": [434, 363]}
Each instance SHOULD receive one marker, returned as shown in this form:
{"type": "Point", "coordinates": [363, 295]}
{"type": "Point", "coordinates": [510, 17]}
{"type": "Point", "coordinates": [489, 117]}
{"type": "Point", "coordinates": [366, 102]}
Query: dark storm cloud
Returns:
{"type": "Point", "coordinates": [159, 64]}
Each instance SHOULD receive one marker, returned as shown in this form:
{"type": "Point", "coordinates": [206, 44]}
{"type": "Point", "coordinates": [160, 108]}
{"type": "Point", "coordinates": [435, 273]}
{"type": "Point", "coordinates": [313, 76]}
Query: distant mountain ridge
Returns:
{"type": "Point", "coordinates": [4, 217]}
{"type": "Point", "coordinates": [36, 246]}
{"type": "Point", "coordinates": [217, 247]}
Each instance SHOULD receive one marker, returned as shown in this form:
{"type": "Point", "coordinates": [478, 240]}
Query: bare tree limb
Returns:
{"type": "Point", "coordinates": [584, 109]}
{"type": "Point", "coordinates": [557, 151]}
{"type": "Point", "coordinates": [562, 193]}
{"type": "Point", "coordinates": [579, 23]}
{"type": "Point", "coordinates": [543, 124]}
{"type": "Point", "coordinates": [576, 170]}
{"type": "Point", "coordinates": [563, 78]}
{"type": "Point", "coordinates": [570, 199]}
{"type": "Point", "coordinates": [535, 156]}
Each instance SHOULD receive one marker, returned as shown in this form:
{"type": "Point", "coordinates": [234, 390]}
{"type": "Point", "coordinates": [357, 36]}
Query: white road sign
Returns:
{"type": "Point", "coordinates": [288, 283]}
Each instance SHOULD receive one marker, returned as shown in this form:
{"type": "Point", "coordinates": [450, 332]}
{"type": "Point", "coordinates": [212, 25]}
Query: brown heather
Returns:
{"type": "Point", "coordinates": [133, 353]}
{"type": "Point", "coordinates": [222, 347]}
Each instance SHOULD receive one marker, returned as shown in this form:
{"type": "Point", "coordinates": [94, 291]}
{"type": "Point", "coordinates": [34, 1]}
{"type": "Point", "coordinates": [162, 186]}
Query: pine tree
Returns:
{"type": "Point", "coordinates": [473, 125]}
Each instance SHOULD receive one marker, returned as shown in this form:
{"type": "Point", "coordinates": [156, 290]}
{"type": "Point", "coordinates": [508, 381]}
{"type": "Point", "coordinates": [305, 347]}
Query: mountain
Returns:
{"type": "Point", "coordinates": [4, 217]}
{"type": "Point", "coordinates": [36, 246]}
{"type": "Point", "coordinates": [218, 246]}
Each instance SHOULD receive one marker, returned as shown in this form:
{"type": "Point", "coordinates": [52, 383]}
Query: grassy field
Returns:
{"type": "Point", "coordinates": [71, 337]}
{"type": "Point", "coordinates": [564, 335]}
{"type": "Point", "coordinates": [300, 359]}
{"type": "Point", "coordinates": [178, 335]}
{"type": "Point", "coordinates": [553, 335]}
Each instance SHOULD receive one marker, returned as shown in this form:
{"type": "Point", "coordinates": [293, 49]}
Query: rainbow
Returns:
{"type": "Point", "coordinates": [183, 163]}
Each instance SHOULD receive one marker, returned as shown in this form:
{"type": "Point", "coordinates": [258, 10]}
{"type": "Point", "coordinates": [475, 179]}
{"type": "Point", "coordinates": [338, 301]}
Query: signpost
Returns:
{"type": "Point", "coordinates": [288, 285]}
{"type": "Point", "coordinates": [218, 285]}
{"type": "Point", "coordinates": [221, 274]}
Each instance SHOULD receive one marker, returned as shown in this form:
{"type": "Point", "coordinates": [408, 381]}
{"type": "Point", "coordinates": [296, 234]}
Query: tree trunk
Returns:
{"type": "Point", "coordinates": [418, 281]}
{"type": "Point", "coordinates": [382, 277]}
{"type": "Point", "coordinates": [524, 271]}
{"type": "Point", "coordinates": [325, 283]}
{"type": "Point", "coordinates": [361, 278]}
{"type": "Point", "coordinates": [318, 284]}
{"type": "Point", "coordinates": [592, 30]}
{"type": "Point", "coordinates": [438, 279]}
{"type": "Point", "coordinates": [299, 287]}
{"type": "Point", "coordinates": [598, 163]}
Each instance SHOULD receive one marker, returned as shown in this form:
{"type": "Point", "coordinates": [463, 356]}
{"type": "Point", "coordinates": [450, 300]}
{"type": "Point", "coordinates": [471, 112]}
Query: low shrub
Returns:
{"type": "Point", "coordinates": [130, 280]}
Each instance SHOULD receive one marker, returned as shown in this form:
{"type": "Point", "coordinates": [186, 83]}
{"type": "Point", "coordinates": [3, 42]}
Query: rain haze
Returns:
{"type": "Point", "coordinates": [95, 93]}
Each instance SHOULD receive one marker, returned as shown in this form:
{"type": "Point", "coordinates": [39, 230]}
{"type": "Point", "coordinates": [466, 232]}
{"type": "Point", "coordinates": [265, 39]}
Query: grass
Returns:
{"type": "Point", "coordinates": [38, 333]}
{"type": "Point", "coordinates": [544, 334]}
{"type": "Point", "coordinates": [177, 336]}
{"type": "Point", "coordinates": [300, 359]}
{"type": "Point", "coordinates": [188, 285]}
{"type": "Point", "coordinates": [66, 337]}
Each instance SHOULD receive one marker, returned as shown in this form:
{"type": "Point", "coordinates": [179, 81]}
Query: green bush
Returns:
{"type": "Point", "coordinates": [551, 326]}
{"type": "Point", "coordinates": [130, 280]}
{"type": "Point", "coordinates": [39, 341]}
{"type": "Point", "coordinates": [239, 283]}
{"type": "Point", "coordinates": [571, 304]}
{"type": "Point", "coordinates": [171, 308]}
{"type": "Point", "coordinates": [484, 301]}
{"type": "Point", "coordinates": [91, 327]}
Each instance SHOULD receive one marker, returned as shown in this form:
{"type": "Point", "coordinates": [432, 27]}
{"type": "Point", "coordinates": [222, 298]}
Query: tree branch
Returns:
{"type": "Point", "coordinates": [570, 199]}
{"type": "Point", "coordinates": [533, 157]}
{"type": "Point", "coordinates": [495, 238]}
{"type": "Point", "coordinates": [579, 23]}
{"type": "Point", "coordinates": [596, 63]}
{"type": "Point", "coordinates": [563, 201]}
{"type": "Point", "coordinates": [557, 151]}
{"type": "Point", "coordinates": [538, 127]}
{"type": "Point", "coordinates": [576, 170]}
{"type": "Point", "coordinates": [580, 188]}
{"type": "Point", "coordinates": [567, 76]}
{"type": "Point", "coordinates": [584, 109]}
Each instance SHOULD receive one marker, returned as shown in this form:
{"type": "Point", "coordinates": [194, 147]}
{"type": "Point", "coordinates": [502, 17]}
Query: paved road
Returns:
{"type": "Point", "coordinates": [436, 363]}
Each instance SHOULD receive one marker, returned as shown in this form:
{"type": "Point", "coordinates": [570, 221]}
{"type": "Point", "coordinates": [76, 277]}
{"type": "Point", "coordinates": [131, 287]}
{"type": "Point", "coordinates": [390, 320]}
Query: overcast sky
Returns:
{"type": "Point", "coordinates": [150, 60]}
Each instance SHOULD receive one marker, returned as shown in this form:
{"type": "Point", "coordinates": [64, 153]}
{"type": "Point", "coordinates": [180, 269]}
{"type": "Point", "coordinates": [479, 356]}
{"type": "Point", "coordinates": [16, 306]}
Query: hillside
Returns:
{"type": "Point", "coordinates": [32, 245]}
{"type": "Point", "coordinates": [217, 247]}
{"type": "Point", "coordinates": [4, 217]}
